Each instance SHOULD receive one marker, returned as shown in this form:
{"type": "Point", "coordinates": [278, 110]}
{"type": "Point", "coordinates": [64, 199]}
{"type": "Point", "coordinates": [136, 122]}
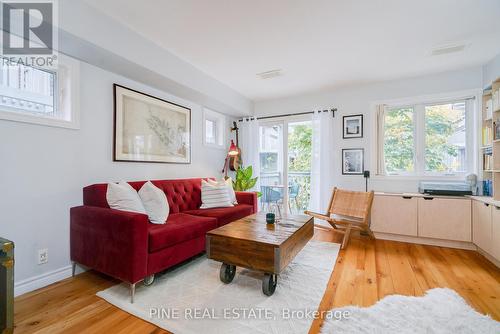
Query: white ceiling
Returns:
{"type": "Point", "coordinates": [317, 43]}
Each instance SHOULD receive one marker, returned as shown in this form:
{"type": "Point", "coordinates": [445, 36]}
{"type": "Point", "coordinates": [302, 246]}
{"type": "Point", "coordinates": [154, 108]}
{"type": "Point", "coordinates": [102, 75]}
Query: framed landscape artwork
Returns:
{"type": "Point", "coordinates": [149, 129]}
{"type": "Point", "coordinates": [352, 161]}
{"type": "Point", "coordinates": [353, 126]}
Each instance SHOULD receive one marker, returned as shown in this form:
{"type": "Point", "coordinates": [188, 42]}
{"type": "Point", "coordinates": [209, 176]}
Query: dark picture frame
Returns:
{"type": "Point", "coordinates": [353, 161]}
{"type": "Point", "coordinates": [147, 128]}
{"type": "Point", "coordinates": [352, 126]}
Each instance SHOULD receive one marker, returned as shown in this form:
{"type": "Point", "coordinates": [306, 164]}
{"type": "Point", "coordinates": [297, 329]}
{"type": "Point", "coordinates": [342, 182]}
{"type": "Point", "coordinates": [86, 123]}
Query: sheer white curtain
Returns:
{"type": "Point", "coordinates": [322, 164]}
{"type": "Point", "coordinates": [249, 145]}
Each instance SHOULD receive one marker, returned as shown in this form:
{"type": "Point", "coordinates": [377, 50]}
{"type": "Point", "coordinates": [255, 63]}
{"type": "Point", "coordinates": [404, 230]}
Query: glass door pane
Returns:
{"type": "Point", "coordinates": [271, 166]}
{"type": "Point", "coordinates": [299, 165]}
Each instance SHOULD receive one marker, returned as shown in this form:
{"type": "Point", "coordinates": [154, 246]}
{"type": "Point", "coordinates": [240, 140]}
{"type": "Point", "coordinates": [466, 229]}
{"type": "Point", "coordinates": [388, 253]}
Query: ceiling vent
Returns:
{"type": "Point", "coordinates": [449, 48]}
{"type": "Point", "coordinates": [270, 74]}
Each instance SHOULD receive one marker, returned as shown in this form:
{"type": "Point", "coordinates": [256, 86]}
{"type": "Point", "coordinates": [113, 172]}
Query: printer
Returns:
{"type": "Point", "coordinates": [446, 188]}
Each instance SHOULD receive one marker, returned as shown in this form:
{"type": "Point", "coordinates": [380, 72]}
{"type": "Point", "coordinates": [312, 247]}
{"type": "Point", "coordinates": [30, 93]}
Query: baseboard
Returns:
{"type": "Point", "coordinates": [426, 241]}
{"type": "Point", "coordinates": [489, 257]}
{"type": "Point", "coordinates": [41, 281]}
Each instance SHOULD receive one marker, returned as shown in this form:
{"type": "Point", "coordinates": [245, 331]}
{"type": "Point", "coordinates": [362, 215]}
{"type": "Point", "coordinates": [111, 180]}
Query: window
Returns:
{"type": "Point", "coordinates": [399, 140]}
{"type": "Point", "coordinates": [426, 139]}
{"type": "Point", "coordinates": [214, 128]}
{"type": "Point", "coordinates": [40, 96]}
{"type": "Point", "coordinates": [445, 139]}
{"type": "Point", "coordinates": [211, 131]}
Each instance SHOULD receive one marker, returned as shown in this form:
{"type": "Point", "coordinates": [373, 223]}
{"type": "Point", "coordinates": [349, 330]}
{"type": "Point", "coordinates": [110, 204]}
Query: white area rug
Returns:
{"type": "Point", "coordinates": [238, 307]}
{"type": "Point", "coordinates": [439, 311]}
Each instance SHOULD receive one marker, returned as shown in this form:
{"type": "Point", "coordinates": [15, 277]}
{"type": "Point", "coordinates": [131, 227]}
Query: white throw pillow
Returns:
{"type": "Point", "coordinates": [121, 196]}
{"type": "Point", "coordinates": [229, 184]}
{"type": "Point", "coordinates": [230, 190]}
{"type": "Point", "coordinates": [155, 202]}
{"type": "Point", "coordinates": [214, 195]}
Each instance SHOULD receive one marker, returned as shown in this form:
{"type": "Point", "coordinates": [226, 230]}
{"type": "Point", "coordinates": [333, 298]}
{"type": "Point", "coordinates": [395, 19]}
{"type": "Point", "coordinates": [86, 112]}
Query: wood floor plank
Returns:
{"type": "Point", "coordinates": [366, 271]}
{"type": "Point", "coordinates": [403, 277]}
{"type": "Point", "coordinates": [385, 285]}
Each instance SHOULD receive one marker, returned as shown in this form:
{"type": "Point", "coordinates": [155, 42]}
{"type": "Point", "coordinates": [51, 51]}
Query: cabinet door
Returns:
{"type": "Point", "coordinates": [445, 218]}
{"type": "Point", "coordinates": [394, 214]}
{"type": "Point", "coordinates": [495, 245]}
{"type": "Point", "coordinates": [482, 227]}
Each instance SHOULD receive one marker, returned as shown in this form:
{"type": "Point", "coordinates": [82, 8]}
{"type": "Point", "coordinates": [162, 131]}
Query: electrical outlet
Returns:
{"type": "Point", "coordinates": [43, 256]}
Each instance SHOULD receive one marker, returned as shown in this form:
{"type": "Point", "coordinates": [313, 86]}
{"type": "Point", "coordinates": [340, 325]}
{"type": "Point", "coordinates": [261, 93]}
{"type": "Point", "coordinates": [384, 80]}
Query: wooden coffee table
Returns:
{"type": "Point", "coordinates": [251, 243]}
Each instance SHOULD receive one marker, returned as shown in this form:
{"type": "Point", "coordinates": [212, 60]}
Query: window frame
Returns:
{"type": "Point", "coordinates": [67, 82]}
{"type": "Point", "coordinates": [219, 121]}
{"type": "Point", "coordinates": [473, 101]}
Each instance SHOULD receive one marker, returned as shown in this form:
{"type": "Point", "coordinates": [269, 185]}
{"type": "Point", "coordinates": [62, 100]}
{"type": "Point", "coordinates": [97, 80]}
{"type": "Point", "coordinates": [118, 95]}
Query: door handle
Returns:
{"type": "Point", "coordinates": [497, 207]}
{"type": "Point", "coordinates": [428, 198]}
{"type": "Point", "coordinates": [486, 204]}
{"type": "Point", "coordinates": [407, 197]}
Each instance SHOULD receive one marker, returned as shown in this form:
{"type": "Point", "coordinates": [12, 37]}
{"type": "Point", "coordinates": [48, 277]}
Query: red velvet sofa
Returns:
{"type": "Point", "coordinates": [126, 246]}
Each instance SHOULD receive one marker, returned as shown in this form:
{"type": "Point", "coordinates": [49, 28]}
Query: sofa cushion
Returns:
{"type": "Point", "coordinates": [180, 227]}
{"type": "Point", "coordinates": [224, 215]}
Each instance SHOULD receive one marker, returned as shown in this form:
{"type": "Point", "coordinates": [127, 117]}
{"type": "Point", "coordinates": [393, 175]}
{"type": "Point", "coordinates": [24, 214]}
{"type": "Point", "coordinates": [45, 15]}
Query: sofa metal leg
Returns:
{"type": "Point", "coordinates": [73, 269]}
{"type": "Point", "coordinates": [132, 292]}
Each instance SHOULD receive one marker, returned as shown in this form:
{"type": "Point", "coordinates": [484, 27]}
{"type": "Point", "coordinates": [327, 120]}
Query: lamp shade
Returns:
{"type": "Point", "coordinates": [233, 149]}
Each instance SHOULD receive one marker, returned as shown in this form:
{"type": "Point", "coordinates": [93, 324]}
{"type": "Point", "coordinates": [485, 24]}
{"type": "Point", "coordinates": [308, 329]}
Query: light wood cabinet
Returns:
{"type": "Point", "coordinates": [495, 221]}
{"type": "Point", "coordinates": [394, 214]}
{"type": "Point", "coordinates": [445, 218]}
{"type": "Point", "coordinates": [482, 230]}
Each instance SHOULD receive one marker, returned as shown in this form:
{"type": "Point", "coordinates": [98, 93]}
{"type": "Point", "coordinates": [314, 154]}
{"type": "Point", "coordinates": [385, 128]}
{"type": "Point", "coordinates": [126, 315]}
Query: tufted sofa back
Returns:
{"type": "Point", "coordinates": [182, 194]}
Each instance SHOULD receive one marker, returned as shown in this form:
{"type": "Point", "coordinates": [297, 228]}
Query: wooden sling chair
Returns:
{"type": "Point", "coordinates": [348, 210]}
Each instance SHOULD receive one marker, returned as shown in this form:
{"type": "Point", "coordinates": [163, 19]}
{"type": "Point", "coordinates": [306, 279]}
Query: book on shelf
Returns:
{"type": "Point", "coordinates": [495, 96]}
{"type": "Point", "coordinates": [496, 129]}
{"type": "Point", "coordinates": [487, 136]}
{"type": "Point", "coordinates": [489, 109]}
{"type": "Point", "coordinates": [487, 162]}
{"type": "Point", "coordinates": [487, 188]}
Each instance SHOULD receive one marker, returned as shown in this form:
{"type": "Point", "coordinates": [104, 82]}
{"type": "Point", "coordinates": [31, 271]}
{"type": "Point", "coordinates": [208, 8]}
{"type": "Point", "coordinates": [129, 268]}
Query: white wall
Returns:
{"type": "Point", "coordinates": [491, 71]}
{"type": "Point", "coordinates": [357, 100]}
{"type": "Point", "coordinates": [43, 170]}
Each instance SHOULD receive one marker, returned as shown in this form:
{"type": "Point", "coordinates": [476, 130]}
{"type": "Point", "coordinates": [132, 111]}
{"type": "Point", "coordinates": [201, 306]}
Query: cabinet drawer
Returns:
{"type": "Point", "coordinates": [495, 246]}
{"type": "Point", "coordinates": [444, 218]}
{"type": "Point", "coordinates": [482, 228]}
{"type": "Point", "coordinates": [394, 214]}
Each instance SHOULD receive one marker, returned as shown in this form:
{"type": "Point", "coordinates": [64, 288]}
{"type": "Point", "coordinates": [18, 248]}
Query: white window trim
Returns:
{"type": "Point", "coordinates": [472, 139]}
{"type": "Point", "coordinates": [220, 122]}
{"type": "Point", "coordinates": [65, 65]}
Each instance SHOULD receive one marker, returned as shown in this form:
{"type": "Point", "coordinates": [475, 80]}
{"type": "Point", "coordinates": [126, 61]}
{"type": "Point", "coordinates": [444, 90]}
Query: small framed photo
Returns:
{"type": "Point", "coordinates": [353, 126]}
{"type": "Point", "coordinates": [353, 161]}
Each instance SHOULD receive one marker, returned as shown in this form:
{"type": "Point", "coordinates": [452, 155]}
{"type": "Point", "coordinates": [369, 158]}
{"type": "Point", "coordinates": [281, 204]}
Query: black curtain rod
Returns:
{"type": "Point", "coordinates": [333, 110]}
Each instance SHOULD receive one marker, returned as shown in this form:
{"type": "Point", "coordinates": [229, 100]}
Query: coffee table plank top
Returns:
{"type": "Point", "coordinates": [251, 243]}
{"type": "Point", "coordinates": [254, 228]}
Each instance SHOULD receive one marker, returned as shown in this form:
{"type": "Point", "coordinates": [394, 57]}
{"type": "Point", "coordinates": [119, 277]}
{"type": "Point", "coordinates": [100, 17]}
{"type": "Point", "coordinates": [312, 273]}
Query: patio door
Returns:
{"type": "Point", "coordinates": [285, 182]}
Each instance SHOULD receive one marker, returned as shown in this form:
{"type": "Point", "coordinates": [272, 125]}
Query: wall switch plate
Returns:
{"type": "Point", "coordinates": [43, 256]}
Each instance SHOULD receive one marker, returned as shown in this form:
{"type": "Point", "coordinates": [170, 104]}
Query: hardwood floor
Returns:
{"type": "Point", "coordinates": [365, 272]}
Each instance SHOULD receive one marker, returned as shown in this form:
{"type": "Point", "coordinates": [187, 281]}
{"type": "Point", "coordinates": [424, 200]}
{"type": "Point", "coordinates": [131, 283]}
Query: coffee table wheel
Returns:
{"type": "Point", "coordinates": [227, 272]}
{"type": "Point", "coordinates": [269, 283]}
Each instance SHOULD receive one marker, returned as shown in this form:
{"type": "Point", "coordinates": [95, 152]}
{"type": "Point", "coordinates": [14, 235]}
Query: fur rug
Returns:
{"type": "Point", "coordinates": [195, 286]}
{"type": "Point", "coordinates": [439, 311]}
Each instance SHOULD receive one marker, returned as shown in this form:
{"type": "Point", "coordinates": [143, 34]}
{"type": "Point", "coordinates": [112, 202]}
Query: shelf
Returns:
{"type": "Point", "coordinates": [486, 147]}
{"type": "Point", "coordinates": [491, 170]}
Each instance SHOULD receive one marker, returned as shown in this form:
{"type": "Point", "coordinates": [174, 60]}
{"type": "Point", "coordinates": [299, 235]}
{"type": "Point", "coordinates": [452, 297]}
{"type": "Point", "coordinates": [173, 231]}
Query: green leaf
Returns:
{"type": "Point", "coordinates": [247, 173]}
{"type": "Point", "coordinates": [251, 183]}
